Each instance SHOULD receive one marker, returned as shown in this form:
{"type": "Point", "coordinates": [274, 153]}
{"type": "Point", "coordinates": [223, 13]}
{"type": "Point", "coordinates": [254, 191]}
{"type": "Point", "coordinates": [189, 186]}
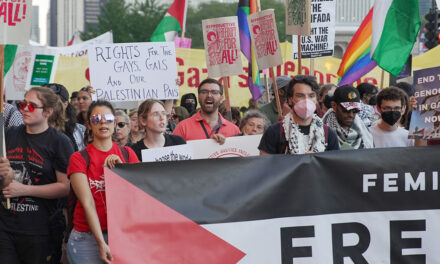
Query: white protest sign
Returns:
{"type": "Point", "coordinates": [222, 46]}
{"type": "Point", "coordinates": [134, 71]}
{"type": "Point", "coordinates": [240, 146]}
{"type": "Point", "coordinates": [15, 21]}
{"type": "Point", "coordinates": [264, 33]}
{"type": "Point", "coordinates": [17, 81]}
{"type": "Point", "coordinates": [321, 42]}
{"type": "Point", "coordinates": [172, 153]}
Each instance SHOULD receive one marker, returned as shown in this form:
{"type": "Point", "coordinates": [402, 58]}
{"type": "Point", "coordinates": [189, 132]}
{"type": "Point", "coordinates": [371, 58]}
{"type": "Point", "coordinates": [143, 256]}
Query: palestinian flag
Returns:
{"type": "Point", "coordinates": [173, 22]}
{"type": "Point", "coordinates": [319, 208]}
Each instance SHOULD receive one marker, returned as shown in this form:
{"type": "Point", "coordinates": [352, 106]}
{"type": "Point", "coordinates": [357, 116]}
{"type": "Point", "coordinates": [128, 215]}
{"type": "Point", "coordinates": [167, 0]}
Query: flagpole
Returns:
{"type": "Point", "coordinates": [266, 81]}
{"type": "Point", "coordinates": [382, 76]}
{"type": "Point", "coordinates": [312, 66]}
{"type": "Point", "coordinates": [227, 102]}
{"type": "Point", "coordinates": [2, 108]}
{"type": "Point", "coordinates": [275, 89]}
{"type": "Point", "coordinates": [299, 55]}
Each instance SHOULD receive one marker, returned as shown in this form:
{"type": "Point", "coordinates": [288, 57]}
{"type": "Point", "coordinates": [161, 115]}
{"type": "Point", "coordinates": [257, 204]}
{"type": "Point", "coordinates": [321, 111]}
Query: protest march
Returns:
{"type": "Point", "coordinates": [232, 137]}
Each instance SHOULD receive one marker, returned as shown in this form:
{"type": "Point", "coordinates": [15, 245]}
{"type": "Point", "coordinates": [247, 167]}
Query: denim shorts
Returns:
{"type": "Point", "coordinates": [82, 248]}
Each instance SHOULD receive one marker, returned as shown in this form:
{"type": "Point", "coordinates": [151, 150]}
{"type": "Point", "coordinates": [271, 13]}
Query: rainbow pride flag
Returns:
{"type": "Point", "coordinates": [246, 7]}
{"type": "Point", "coordinates": [356, 61]}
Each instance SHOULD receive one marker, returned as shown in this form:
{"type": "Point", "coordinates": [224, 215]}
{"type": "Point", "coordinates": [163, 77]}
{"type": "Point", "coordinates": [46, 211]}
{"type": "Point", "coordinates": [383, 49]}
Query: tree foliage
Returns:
{"type": "Point", "coordinates": [137, 22]}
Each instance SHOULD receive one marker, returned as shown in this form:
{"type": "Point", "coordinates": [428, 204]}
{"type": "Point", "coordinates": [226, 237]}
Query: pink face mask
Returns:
{"type": "Point", "coordinates": [305, 108]}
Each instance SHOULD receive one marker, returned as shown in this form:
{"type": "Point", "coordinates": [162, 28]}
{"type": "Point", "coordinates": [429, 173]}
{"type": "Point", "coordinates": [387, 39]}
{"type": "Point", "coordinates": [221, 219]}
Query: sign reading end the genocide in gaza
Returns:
{"type": "Point", "coordinates": [222, 46]}
{"type": "Point", "coordinates": [264, 33]}
{"type": "Point", "coordinates": [15, 21]}
{"type": "Point", "coordinates": [134, 71]}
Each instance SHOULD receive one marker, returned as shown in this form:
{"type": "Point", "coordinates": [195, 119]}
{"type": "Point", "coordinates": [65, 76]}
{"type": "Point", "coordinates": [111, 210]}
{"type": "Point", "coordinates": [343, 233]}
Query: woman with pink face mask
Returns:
{"type": "Point", "coordinates": [301, 130]}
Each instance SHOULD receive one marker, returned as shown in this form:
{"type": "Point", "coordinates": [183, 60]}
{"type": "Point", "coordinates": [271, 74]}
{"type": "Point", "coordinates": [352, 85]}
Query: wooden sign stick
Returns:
{"type": "Point", "coordinates": [275, 89]}
{"type": "Point", "coordinates": [227, 101]}
{"type": "Point", "coordinates": [2, 106]}
{"type": "Point", "coordinates": [299, 55]}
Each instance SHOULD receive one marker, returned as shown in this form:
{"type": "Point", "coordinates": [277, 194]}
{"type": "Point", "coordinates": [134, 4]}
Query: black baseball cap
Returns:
{"type": "Point", "coordinates": [348, 97]}
{"type": "Point", "coordinates": [59, 89]}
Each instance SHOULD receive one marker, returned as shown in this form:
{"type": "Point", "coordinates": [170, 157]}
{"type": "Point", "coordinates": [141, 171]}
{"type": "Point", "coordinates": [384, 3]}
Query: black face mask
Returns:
{"type": "Point", "coordinates": [189, 106]}
{"type": "Point", "coordinates": [391, 117]}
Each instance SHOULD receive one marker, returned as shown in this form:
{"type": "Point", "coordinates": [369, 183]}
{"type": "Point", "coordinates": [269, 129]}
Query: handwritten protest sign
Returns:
{"type": "Point", "coordinates": [172, 153]}
{"type": "Point", "coordinates": [265, 39]}
{"type": "Point", "coordinates": [222, 46]}
{"type": "Point", "coordinates": [242, 146]}
{"type": "Point", "coordinates": [298, 17]}
{"type": "Point", "coordinates": [134, 71]}
{"type": "Point", "coordinates": [321, 41]}
{"type": "Point", "coordinates": [425, 120]}
{"type": "Point", "coordinates": [15, 20]}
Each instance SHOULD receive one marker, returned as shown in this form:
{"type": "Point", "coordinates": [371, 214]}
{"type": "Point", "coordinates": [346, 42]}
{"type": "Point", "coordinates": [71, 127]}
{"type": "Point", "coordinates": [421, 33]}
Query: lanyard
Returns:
{"type": "Point", "coordinates": [216, 129]}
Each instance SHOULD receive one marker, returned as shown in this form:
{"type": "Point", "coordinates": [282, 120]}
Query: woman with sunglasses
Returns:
{"type": "Point", "coordinates": [88, 239]}
{"type": "Point", "coordinates": [39, 156]}
{"type": "Point", "coordinates": [153, 118]}
{"type": "Point", "coordinates": [122, 134]}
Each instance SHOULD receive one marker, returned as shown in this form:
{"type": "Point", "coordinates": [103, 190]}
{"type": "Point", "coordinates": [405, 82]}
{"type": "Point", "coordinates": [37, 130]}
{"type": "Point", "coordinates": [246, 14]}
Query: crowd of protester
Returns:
{"type": "Point", "coordinates": [50, 141]}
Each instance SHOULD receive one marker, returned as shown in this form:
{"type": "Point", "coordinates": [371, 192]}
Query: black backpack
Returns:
{"type": "Point", "coordinates": [72, 199]}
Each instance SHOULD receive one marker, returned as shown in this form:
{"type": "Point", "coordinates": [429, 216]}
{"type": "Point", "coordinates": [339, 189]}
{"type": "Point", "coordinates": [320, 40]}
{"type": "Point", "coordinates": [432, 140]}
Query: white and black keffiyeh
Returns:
{"type": "Point", "coordinates": [300, 143]}
{"type": "Point", "coordinates": [357, 136]}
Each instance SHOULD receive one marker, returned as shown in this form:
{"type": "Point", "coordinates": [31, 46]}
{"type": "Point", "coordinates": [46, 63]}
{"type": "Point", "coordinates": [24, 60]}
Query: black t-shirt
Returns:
{"type": "Point", "coordinates": [47, 152]}
{"type": "Point", "coordinates": [170, 140]}
{"type": "Point", "coordinates": [273, 141]}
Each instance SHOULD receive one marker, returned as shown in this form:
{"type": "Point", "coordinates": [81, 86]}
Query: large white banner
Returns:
{"type": "Point", "coordinates": [134, 71]}
{"type": "Point", "coordinates": [18, 79]}
{"type": "Point", "coordinates": [15, 21]}
{"type": "Point", "coordinates": [321, 41]}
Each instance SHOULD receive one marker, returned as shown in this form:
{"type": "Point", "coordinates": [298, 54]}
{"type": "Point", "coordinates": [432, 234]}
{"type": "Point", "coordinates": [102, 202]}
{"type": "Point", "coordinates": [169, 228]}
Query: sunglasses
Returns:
{"type": "Point", "coordinates": [121, 124]}
{"type": "Point", "coordinates": [108, 118]}
{"type": "Point", "coordinates": [30, 106]}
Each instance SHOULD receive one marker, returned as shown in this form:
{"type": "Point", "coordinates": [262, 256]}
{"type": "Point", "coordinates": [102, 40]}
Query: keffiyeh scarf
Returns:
{"type": "Point", "coordinates": [300, 143]}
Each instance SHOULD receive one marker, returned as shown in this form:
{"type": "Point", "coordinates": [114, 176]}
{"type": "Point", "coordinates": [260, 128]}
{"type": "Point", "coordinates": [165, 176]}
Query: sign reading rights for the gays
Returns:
{"type": "Point", "coordinates": [222, 46]}
{"type": "Point", "coordinates": [134, 71]}
{"type": "Point", "coordinates": [321, 41]}
{"type": "Point", "coordinates": [425, 120]}
{"type": "Point", "coordinates": [15, 21]}
{"type": "Point", "coordinates": [265, 39]}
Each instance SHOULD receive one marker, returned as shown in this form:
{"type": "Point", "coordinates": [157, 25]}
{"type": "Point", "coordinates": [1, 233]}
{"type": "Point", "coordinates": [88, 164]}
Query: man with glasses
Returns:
{"type": "Point", "coordinates": [207, 122]}
{"type": "Point", "coordinates": [387, 132]}
{"type": "Point", "coordinates": [343, 118]}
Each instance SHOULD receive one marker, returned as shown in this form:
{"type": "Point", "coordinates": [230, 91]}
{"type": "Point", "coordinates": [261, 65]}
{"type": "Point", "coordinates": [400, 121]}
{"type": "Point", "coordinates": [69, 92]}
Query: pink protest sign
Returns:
{"type": "Point", "coordinates": [265, 41]}
{"type": "Point", "coordinates": [222, 46]}
{"type": "Point", "coordinates": [182, 42]}
{"type": "Point", "coordinates": [15, 21]}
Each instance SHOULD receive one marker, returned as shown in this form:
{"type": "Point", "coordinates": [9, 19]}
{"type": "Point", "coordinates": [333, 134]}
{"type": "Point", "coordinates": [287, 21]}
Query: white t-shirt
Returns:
{"type": "Point", "coordinates": [389, 139]}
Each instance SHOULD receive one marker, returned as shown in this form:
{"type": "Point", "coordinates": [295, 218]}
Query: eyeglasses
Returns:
{"type": "Point", "coordinates": [388, 108]}
{"type": "Point", "coordinates": [121, 124]}
{"type": "Point", "coordinates": [108, 118]}
{"type": "Point", "coordinates": [212, 92]}
{"type": "Point", "coordinates": [30, 106]}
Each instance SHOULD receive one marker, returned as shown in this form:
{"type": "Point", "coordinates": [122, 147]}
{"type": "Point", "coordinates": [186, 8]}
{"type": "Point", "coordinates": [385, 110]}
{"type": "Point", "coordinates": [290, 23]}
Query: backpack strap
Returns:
{"type": "Point", "coordinates": [125, 154]}
{"type": "Point", "coordinates": [326, 133]}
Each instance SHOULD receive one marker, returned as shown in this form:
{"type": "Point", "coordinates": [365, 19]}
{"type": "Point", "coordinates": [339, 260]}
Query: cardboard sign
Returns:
{"type": "Point", "coordinates": [222, 46]}
{"type": "Point", "coordinates": [321, 41]}
{"type": "Point", "coordinates": [15, 21]}
{"type": "Point", "coordinates": [172, 153]}
{"type": "Point", "coordinates": [298, 17]}
{"type": "Point", "coordinates": [134, 71]}
{"type": "Point", "coordinates": [240, 146]}
{"type": "Point", "coordinates": [425, 120]}
{"type": "Point", "coordinates": [264, 34]}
